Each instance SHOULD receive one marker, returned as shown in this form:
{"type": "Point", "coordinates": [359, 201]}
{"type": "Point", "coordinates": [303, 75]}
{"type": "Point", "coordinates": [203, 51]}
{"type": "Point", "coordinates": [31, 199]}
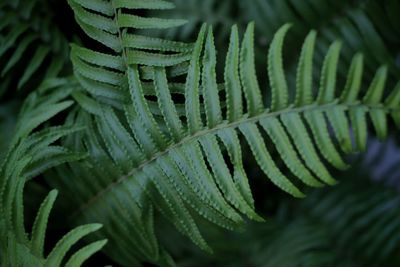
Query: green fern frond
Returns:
{"type": "Point", "coordinates": [29, 155]}
{"type": "Point", "coordinates": [29, 43]}
{"type": "Point", "coordinates": [193, 166]}
{"type": "Point", "coordinates": [112, 24]}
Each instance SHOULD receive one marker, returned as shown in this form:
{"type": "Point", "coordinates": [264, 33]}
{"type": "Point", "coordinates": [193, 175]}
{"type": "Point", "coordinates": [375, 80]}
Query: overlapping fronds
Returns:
{"type": "Point", "coordinates": [364, 25]}
{"type": "Point", "coordinates": [32, 47]}
{"type": "Point", "coordinates": [113, 24]}
{"type": "Point", "coordinates": [189, 164]}
{"type": "Point", "coordinates": [29, 155]}
{"type": "Point", "coordinates": [166, 132]}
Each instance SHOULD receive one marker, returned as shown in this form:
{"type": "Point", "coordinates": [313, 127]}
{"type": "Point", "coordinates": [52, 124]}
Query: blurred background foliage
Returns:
{"type": "Point", "coordinates": [356, 223]}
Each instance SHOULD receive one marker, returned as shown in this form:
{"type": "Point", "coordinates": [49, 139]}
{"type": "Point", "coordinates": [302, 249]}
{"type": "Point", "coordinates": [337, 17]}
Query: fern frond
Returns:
{"type": "Point", "coordinates": [29, 155]}
{"type": "Point", "coordinates": [29, 43]}
{"type": "Point", "coordinates": [184, 167]}
{"type": "Point", "coordinates": [112, 23]}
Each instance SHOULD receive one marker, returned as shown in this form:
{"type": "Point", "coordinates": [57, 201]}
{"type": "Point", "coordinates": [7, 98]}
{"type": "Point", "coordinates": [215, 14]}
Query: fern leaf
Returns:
{"type": "Point", "coordinates": [190, 165]}
{"type": "Point", "coordinates": [105, 75]}
{"type": "Point", "coordinates": [30, 154]}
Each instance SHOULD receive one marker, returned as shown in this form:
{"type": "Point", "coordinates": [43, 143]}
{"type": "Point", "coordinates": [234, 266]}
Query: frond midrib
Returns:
{"type": "Point", "coordinates": [232, 125]}
{"type": "Point", "coordinates": [119, 33]}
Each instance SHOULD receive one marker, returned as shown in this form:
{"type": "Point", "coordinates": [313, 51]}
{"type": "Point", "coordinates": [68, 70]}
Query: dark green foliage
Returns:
{"type": "Point", "coordinates": [173, 123]}
{"type": "Point", "coordinates": [144, 146]}
{"type": "Point", "coordinates": [32, 47]}
{"type": "Point", "coordinates": [355, 22]}
{"type": "Point", "coordinates": [27, 157]}
{"type": "Point", "coordinates": [352, 224]}
{"type": "Point", "coordinates": [8, 118]}
{"type": "Point", "coordinates": [220, 14]}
